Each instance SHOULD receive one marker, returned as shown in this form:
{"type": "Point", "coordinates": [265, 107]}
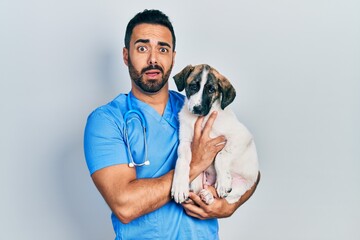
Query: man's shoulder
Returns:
{"type": "Point", "coordinates": [177, 94]}
{"type": "Point", "coordinates": [112, 109]}
{"type": "Point", "coordinates": [177, 98]}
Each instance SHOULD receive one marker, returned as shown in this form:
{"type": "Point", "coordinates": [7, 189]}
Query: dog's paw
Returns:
{"type": "Point", "coordinates": [206, 196]}
{"type": "Point", "coordinates": [223, 192]}
{"type": "Point", "coordinates": [223, 185]}
{"type": "Point", "coordinates": [180, 192]}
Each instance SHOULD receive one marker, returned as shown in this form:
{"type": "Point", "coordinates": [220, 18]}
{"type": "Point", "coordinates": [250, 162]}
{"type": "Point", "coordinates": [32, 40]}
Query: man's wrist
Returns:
{"type": "Point", "coordinates": [194, 171]}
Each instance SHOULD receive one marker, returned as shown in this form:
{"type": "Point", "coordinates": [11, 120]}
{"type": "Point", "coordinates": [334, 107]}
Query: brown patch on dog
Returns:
{"type": "Point", "coordinates": [227, 90]}
{"type": "Point", "coordinates": [183, 76]}
{"type": "Point", "coordinates": [195, 72]}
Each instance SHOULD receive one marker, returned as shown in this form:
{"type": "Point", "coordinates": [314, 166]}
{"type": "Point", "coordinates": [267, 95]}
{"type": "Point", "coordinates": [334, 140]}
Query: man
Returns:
{"type": "Point", "coordinates": [139, 196]}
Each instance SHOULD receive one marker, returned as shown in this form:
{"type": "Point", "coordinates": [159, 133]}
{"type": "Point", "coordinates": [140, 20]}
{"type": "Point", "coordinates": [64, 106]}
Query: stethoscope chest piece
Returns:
{"type": "Point", "coordinates": [146, 163]}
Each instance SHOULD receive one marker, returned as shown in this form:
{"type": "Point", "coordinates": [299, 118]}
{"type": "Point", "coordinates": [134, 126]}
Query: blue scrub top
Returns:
{"type": "Point", "coordinates": [105, 145]}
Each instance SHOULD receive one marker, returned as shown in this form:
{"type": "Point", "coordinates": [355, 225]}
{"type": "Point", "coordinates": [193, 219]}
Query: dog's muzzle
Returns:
{"type": "Point", "coordinates": [199, 110]}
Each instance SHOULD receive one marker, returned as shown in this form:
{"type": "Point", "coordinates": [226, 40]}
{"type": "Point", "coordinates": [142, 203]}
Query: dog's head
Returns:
{"type": "Point", "coordinates": [203, 86]}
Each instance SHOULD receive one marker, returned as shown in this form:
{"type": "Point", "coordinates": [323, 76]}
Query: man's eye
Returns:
{"type": "Point", "coordinates": [164, 50]}
{"type": "Point", "coordinates": [142, 49]}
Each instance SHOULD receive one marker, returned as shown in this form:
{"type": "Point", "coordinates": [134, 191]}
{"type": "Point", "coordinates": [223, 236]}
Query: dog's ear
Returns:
{"type": "Point", "coordinates": [228, 92]}
{"type": "Point", "coordinates": [181, 77]}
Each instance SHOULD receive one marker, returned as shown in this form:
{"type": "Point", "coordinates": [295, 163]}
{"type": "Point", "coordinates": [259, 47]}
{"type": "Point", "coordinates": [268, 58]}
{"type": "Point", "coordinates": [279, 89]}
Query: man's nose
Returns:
{"type": "Point", "coordinates": [152, 57]}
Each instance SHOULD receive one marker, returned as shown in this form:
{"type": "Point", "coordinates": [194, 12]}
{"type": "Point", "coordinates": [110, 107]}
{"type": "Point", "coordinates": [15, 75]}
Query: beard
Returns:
{"type": "Point", "coordinates": [149, 86]}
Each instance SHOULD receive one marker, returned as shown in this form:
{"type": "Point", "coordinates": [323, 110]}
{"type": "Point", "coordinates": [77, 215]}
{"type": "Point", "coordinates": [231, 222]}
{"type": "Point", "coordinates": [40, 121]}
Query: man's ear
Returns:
{"type": "Point", "coordinates": [181, 77]}
{"type": "Point", "coordinates": [126, 56]}
{"type": "Point", "coordinates": [228, 92]}
{"type": "Point", "coordinates": [173, 58]}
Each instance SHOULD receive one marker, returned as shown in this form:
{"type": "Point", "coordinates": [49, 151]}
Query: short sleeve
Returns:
{"type": "Point", "coordinates": [103, 142]}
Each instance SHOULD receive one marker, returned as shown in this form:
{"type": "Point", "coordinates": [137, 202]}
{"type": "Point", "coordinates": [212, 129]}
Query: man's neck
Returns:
{"type": "Point", "coordinates": [156, 100]}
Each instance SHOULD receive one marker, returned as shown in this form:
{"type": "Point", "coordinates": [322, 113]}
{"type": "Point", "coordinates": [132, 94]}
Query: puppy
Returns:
{"type": "Point", "coordinates": [235, 168]}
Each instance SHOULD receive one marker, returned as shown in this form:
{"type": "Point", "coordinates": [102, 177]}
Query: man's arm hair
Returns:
{"type": "Point", "coordinates": [128, 197]}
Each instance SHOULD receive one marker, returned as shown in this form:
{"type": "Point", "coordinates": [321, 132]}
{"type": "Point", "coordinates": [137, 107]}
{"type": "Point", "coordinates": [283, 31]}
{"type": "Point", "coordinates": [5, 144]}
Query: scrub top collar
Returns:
{"type": "Point", "coordinates": [169, 115]}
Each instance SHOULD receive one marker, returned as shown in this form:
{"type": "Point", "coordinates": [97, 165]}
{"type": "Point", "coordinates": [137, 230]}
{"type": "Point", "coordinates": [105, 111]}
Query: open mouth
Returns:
{"type": "Point", "coordinates": [152, 73]}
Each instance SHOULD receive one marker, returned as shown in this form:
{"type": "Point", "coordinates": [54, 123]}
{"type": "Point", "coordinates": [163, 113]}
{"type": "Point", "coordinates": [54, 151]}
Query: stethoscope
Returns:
{"type": "Point", "coordinates": [132, 163]}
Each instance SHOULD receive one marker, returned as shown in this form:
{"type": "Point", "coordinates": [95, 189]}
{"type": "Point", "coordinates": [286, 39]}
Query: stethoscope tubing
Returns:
{"type": "Point", "coordinates": [143, 124]}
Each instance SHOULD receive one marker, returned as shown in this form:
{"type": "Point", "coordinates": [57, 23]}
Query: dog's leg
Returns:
{"type": "Point", "coordinates": [209, 178]}
{"type": "Point", "coordinates": [181, 181]}
{"type": "Point", "coordinates": [239, 186]}
{"type": "Point", "coordinates": [244, 173]}
{"type": "Point", "coordinates": [206, 196]}
{"type": "Point", "coordinates": [223, 175]}
{"type": "Point", "coordinates": [180, 185]}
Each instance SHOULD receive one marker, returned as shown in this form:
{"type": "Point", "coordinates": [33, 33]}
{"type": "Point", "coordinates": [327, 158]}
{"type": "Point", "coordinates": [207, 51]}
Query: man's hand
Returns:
{"type": "Point", "coordinates": [220, 208]}
{"type": "Point", "coordinates": [204, 148]}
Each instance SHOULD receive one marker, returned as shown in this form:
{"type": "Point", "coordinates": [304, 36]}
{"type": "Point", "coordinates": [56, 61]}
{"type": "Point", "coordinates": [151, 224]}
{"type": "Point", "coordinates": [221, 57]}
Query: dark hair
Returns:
{"type": "Point", "coordinates": [151, 17]}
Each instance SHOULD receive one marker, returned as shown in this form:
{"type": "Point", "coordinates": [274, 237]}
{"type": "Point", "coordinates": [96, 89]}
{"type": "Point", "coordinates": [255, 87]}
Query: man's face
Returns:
{"type": "Point", "coordinates": [150, 57]}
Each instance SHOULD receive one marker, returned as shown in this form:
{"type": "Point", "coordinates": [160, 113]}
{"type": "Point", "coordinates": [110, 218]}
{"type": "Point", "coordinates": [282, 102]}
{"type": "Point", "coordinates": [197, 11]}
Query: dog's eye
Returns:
{"type": "Point", "coordinates": [211, 89]}
{"type": "Point", "coordinates": [193, 87]}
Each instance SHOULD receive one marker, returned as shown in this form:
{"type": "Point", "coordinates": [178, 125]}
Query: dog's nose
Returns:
{"type": "Point", "coordinates": [197, 109]}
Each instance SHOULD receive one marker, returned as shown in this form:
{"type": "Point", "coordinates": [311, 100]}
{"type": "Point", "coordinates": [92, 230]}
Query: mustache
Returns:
{"type": "Point", "coordinates": [152, 67]}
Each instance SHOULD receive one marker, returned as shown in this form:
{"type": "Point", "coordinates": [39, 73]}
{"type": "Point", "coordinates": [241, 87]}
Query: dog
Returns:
{"type": "Point", "coordinates": [235, 167]}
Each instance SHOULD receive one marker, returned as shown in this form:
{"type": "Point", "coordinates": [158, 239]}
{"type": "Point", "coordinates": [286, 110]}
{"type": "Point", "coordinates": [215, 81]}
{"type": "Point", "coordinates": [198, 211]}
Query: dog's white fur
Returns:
{"type": "Point", "coordinates": [236, 165]}
{"type": "Point", "coordinates": [196, 98]}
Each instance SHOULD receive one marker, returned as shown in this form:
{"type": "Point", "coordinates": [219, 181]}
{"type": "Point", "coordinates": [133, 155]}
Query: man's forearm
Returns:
{"type": "Point", "coordinates": [142, 196]}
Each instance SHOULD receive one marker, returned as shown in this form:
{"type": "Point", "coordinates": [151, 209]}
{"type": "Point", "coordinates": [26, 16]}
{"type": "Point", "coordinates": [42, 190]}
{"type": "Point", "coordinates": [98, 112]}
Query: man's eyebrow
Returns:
{"type": "Point", "coordinates": [142, 41]}
{"type": "Point", "coordinates": [164, 44]}
{"type": "Point", "coordinates": [160, 43]}
{"type": "Point", "coordinates": [148, 40]}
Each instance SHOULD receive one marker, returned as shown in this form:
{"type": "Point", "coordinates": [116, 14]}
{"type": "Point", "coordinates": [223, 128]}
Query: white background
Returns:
{"type": "Point", "coordinates": [296, 68]}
